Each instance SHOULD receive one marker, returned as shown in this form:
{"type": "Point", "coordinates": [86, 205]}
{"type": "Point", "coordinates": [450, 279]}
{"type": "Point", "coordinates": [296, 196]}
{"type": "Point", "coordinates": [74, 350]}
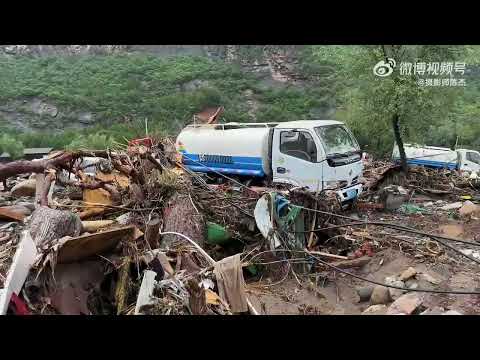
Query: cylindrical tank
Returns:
{"type": "Point", "coordinates": [229, 148]}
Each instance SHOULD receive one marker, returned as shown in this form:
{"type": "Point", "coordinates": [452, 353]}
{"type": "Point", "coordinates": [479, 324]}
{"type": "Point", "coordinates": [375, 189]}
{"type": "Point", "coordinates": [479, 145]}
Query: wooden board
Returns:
{"type": "Point", "coordinates": [82, 247]}
{"type": "Point", "coordinates": [10, 214]}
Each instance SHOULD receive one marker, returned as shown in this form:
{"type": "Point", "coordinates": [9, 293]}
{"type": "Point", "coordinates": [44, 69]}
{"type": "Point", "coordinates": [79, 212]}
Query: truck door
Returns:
{"type": "Point", "coordinates": [295, 159]}
{"type": "Point", "coordinates": [471, 161]}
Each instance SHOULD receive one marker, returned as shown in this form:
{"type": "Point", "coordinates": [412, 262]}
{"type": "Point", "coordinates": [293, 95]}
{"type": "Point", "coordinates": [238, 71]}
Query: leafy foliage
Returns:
{"type": "Point", "coordinates": [12, 146]}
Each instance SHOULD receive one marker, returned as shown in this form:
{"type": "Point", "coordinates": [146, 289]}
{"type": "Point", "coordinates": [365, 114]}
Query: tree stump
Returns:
{"type": "Point", "coordinates": [181, 216]}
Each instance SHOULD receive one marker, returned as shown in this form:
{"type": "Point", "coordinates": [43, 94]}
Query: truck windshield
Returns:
{"type": "Point", "coordinates": [336, 139]}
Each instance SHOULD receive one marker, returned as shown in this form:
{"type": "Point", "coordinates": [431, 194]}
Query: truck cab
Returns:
{"type": "Point", "coordinates": [317, 154]}
{"type": "Point", "coordinates": [468, 160]}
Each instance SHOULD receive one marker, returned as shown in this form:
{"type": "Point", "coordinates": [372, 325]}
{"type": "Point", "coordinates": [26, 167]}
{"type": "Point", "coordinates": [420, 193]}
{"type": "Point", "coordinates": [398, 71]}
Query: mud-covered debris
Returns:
{"type": "Point", "coordinates": [379, 309]}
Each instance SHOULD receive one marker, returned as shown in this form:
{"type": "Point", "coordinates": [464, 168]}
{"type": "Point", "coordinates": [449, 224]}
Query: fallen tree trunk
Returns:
{"type": "Point", "coordinates": [26, 167]}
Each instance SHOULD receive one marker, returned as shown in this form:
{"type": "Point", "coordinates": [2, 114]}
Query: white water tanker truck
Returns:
{"type": "Point", "coordinates": [439, 157]}
{"type": "Point", "coordinates": [315, 154]}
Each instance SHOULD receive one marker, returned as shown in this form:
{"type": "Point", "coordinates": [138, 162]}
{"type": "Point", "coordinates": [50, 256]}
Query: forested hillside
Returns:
{"type": "Point", "coordinates": [92, 100]}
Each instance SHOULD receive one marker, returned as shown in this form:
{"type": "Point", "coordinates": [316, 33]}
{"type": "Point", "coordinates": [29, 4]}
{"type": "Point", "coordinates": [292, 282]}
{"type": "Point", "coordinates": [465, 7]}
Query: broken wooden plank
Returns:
{"type": "Point", "coordinates": [9, 213]}
{"type": "Point", "coordinates": [22, 262]}
{"type": "Point", "coordinates": [82, 247]}
{"type": "Point", "coordinates": [146, 291]}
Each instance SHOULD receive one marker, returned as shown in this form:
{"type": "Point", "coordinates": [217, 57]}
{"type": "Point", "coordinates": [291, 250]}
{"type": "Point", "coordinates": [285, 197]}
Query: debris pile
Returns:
{"type": "Point", "coordinates": [129, 231]}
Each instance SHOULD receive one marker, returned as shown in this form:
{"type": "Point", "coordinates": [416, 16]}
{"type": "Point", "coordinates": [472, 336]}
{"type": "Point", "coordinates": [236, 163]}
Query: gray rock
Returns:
{"type": "Point", "coordinates": [86, 118]}
{"type": "Point", "coordinates": [380, 295]}
{"type": "Point", "coordinates": [393, 281]}
{"type": "Point", "coordinates": [365, 293]}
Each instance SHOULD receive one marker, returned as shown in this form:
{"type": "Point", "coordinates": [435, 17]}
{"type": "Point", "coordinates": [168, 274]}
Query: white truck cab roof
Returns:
{"type": "Point", "coordinates": [307, 124]}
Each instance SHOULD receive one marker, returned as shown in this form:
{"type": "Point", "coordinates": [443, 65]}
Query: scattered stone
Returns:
{"type": "Point", "coordinates": [428, 204]}
{"type": "Point", "coordinates": [380, 309]}
{"type": "Point", "coordinates": [411, 284]}
{"type": "Point", "coordinates": [407, 274]}
{"type": "Point", "coordinates": [429, 278]}
{"type": "Point", "coordinates": [451, 312]}
{"type": "Point", "coordinates": [469, 208]}
{"type": "Point", "coordinates": [380, 295]}
{"type": "Point", "coordinates": [393, 281]}
{"type": "Point", "coordinates": [436, 310]}
{"type": "Point", "coordinates": [24, 188]}
{"type": "Point", "coordinates": [365, 293]}
{"type": "Point", "coordinates": [405, 305]}
{"type": "Point", "coordinates": [452, 206]}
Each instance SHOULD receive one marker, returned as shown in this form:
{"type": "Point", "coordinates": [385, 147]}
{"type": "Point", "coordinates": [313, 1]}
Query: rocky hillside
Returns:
{"type": "Point", "coordinates": [91, 87]}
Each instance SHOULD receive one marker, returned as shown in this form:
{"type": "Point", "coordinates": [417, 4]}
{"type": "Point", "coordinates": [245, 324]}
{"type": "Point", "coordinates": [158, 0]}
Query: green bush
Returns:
{"type": "Point", "coordinates": [12, 146]}
{"type": "Point", "coordinates": [91, 142]}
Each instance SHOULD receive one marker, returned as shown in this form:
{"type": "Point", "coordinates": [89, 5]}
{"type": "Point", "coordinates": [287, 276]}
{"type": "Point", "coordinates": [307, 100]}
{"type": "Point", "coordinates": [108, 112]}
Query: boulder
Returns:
{"type": "Point", "coordinates": [364, 293]}
{"type": "Point", "coordinates": [24, 188]}
{"type": "Point", "coordinates": [380, 295]}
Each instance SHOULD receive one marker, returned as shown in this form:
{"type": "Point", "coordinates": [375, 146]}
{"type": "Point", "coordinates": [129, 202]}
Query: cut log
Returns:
{"type": "Point", "coordinates": [93, 226]}
{"type": "Point", "coordinates": [152, 233]}
{"type": "Point", "coordinates": [49, 224]}
{"type": "Point", "coordinates": [181, 216]}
